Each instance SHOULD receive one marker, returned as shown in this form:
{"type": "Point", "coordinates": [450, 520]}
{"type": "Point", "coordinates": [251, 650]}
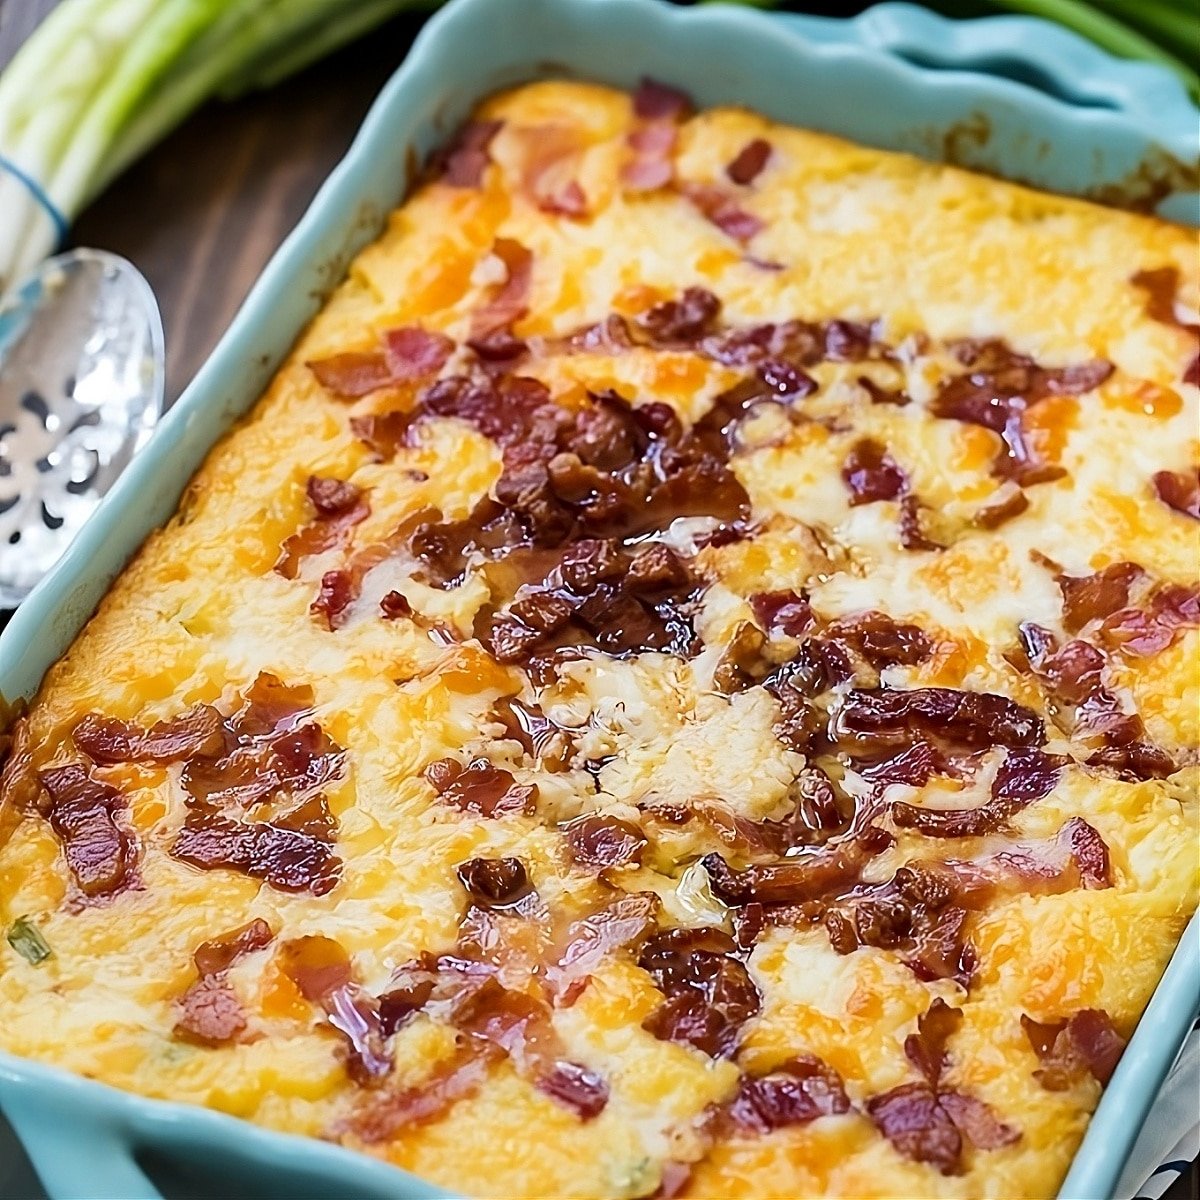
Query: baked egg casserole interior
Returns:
{"type": "Point", "coordinates": [684, 685]}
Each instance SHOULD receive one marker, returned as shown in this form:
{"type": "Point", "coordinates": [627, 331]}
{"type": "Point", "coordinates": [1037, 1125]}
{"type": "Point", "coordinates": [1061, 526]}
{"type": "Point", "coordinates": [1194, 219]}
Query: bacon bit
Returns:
{"type": "Point", "coordinates": [912, 536]}
{"type": "Point", "coordinates": [599, 841]}
{"type": "Point", "coordinates": [1191, 373]}
{"type": "Point", "coordinates": [549, 156]}
{"type": "Point", "coordinates": [658, 101]}
{"type": "Point", "coordinates": [1142, 633]}
{"type": "Point", "coordinates": [83, 811]}
{"type": "Point", "coordinates": [848, 341]}
{"type": "Point", "coordinates": [880, 640]}
{"type": "Point", "coordinates": [285, 858]}
{"type": "Point", "coordinates": [1180, 490]}
{"type": "Point", "coordinates": [791, 882]}
{"type": "Point", "coordinates": [511, 300]}
{"type": "Point", "coordinates": [385, 1114]}
{"type": "Point", "coordinates": [795, 1092]}
{"type": "Point", "coordinates": [395, 605]}
{"type": "Point", "coordinates": [1161, 285]}
{"type": "Point", "coordinates": [575, 1087]}
{"type": "Point", "coordinates": [497, 883]}
{"type": "Point", "coordinates": [108, 740]}
{"type": "Point", "coordinates": [1086, 1041]}
{"type": "Point", "coordinates": [1134, 760]}
{"type": "Point", "coordinates": [926, 1049]}
{"type": "Point", "coordinates": [997, 389]}
{"type": "Point", "coordinates": [870, 474]}
{"type": "Point", "coordinates": [622, 923]}
{"type": "Point", "coordinates": [480, 788]}
{"type": "Point", "coordinates": [749, 162]}
{"type": "Point", "coordinates": [1008, 502]}
{"type": "Point", "coordinates": [709, 994]}
{"type": "Point", "coordinates": [467, 158]}
{"type": "Point", "coordinates": [651, 166]}
{"type": "Point", "coordinates": [339, 507]}
{"type": "Point", "coordinates": [353, 373]}
{"type": "Point", "coordinates": [1026, 775]}
{"type": "Point", "coordinates": [976, 720]}
{"type": "Point", "coordinates": [721, 209]}
{"type": "Point", "coordinates": [683, 320]}
{"type": "Point", "coordinates": [976, 1121]}
{"type": "Point", "coordinates": [320, 968]}
{"type": "Point", "coordinates": [881, 395]}
{"type": "Point", "coordinates": [414, 353]}
{"type": "Point", "coordinates": [336, 595]}
{"type": "Point", "coordinates": [210, 1013]}
{"type": "Point", "coordinates": [383, 433]}
{"type": "Point", "coordinates": [787, 612]}
{"type": "Point", "coordinates": [911, 1118]}
{"type": "Point", "coordinates": [1089, 597]}
{"type": "Point", "coordinates": [216, 956]}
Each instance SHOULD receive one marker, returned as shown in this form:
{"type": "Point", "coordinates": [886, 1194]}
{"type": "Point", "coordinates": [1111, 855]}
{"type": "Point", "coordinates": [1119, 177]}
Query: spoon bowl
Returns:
{"type": "Point", "coordinates": [81, 389]}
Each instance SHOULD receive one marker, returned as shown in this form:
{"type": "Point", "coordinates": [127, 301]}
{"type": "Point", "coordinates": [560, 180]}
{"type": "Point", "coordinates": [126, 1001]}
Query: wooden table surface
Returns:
{"type": "Point", "coordinates": [202, 214]}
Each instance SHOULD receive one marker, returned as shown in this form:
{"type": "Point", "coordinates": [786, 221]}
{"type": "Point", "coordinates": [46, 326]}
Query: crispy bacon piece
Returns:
{"type": "Point", "coordinates": [792, 882]}
{"type": "Point", "coordinates": [353, 373]}
{"type": "Point", "coordinates": [793, 1093]}
{"type": "Point", "coordinates": [749, 161]}
{"type": "Point", "coordinates": [684, 320]}
{"type": "Point", "coordinates": [383, 1114]}
{"type": "Point", "coordinates": [1170, 611]}
{"type": "Point", "coordinates": [415, 353]}
{"type": "Point", "coordinates": [880, 640]}
{"type": "Point", "coordinates": [321, 970]}
{"type": "Point", "coordinates": [575, 1087]}
{"type": "Point", "coordinates": [497, 883]}
{"type": "Point", "coordinates": [653, 100]}
{"type": "Point", "coordinates": [709, 993]}
{"type": "Point", "coordinates": [549, 157]}
{"type": "Point", "coordinates": [995, 391]}
{"type": "Point", "coordinates": [600, 841]}
{"type": "Point", "coordinates": [287, 859]}
{"type": "Point", "coordinates": [467, 158]}
{"type": "Point", "coordinates": [911, 1118]}
{"type": "Point", "coordinates": [339, 507]}
{"type": "Point", "coordinates": [209, 1013]}
{"type": "Point", "coordinates": [926, 1049]}
{"type": "Point", "coordinates": [1087, 1041]}
{"type": "Point", "coordinates": [1027, 774]}
{"type": "Point", "coordinates": [870, 474]}
{"type": "Point", "coordinates": [786, 611]}
{"type": "Point", "coordinates": [721, 208]}
{"type": "Point", "coordinates": [650, 166]}
{"type": "Point", "coordinates": [480, 787]}
{"type": "Point", "coordinates": [1008, 502]}
{"type": "Point", "coordinates": [511, 300]}
{"type": "Point", "coordinates": [337, 593]}
{"type": "Point", "coordinates": [109, 740]}
{"type": "Point", "coordinates": [217, 955]}
{"type": "Point", "coordinates": [974, 720]}
{"type": "Point", "coordinates": [1179, 490]}
{"type": "Point", "coordinates": [83, 813]}
{"type": "Point", "coordinates": [912, 533]}
{"type": "Point", "coordinates": [623, 923]}
{"type": "Point", "coordinates": [1161, 285]}
{"type": "Point", "coordinates": [1090, 597]}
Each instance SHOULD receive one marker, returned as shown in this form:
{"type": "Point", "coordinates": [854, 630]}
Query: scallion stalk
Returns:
{"type": "Point", "coordinates": [27, 940]}
{"type": "Point", "coordinates": [100, 81]}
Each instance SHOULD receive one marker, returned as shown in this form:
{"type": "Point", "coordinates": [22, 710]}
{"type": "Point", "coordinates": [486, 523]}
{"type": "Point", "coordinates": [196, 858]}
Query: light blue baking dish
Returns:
{"type": "Point", "coordinates": [1009, 95]}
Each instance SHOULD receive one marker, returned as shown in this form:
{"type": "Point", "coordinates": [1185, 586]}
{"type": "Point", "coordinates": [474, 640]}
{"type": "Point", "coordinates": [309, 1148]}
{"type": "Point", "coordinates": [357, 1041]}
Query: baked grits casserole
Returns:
{"type": "Point", "coordinates": [685, 684]}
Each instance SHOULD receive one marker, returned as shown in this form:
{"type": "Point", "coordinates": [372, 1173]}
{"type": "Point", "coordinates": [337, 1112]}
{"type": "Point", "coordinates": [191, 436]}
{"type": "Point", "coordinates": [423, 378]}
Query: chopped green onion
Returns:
{"type": "Point", "coordinates": [26, 939]}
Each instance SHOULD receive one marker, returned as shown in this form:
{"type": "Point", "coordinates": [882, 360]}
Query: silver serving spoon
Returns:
{"type": "Point", "coordinates": [81, 388]}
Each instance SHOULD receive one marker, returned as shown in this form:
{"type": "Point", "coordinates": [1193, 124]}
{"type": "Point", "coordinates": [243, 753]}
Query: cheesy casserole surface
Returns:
{"type": "Point", "coordinates": [684, 685]}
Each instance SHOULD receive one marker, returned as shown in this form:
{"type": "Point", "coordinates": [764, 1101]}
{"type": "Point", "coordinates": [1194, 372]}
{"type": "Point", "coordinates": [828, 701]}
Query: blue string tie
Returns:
{"type": "Point", "coordinates": [39, 194]}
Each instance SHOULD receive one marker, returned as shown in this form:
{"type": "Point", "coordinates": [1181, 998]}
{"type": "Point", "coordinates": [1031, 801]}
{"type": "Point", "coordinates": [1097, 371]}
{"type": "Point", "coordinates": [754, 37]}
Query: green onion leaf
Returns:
{"type": "Point", "coordinates": [26, 939]}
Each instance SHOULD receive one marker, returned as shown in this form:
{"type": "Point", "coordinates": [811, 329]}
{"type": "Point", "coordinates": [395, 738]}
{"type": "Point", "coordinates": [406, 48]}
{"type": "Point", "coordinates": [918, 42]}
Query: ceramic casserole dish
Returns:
{"type": "Point", "coordinates": [1015, 98]}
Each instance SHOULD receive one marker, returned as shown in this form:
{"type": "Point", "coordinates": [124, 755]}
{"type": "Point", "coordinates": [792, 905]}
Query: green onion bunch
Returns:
{"type": "Point", "coordinates": [100, 81]}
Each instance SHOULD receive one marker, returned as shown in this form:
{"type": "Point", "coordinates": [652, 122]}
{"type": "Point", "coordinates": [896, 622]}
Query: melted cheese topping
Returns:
{"type": "Point", "coordinates": [859, 235]}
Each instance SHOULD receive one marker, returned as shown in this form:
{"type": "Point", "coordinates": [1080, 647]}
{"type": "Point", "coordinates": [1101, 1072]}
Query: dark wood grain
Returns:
{"type": "Point", "coordinates": [202, 213]}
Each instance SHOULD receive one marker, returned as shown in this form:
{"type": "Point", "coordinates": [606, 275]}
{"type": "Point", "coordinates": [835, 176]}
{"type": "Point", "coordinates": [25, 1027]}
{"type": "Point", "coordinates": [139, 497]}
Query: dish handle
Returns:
{"type": "Point", "coordinates": [1025, 50]}
{"type": "Point", "coordinates": [78, 1149]}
